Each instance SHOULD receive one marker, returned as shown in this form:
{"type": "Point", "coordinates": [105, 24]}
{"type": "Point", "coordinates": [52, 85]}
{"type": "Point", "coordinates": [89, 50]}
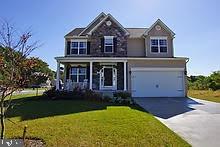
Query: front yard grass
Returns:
{"type": "Point", "coordinates": [208, 95]}
{"type": "Point", "coordinates": [87, 123]}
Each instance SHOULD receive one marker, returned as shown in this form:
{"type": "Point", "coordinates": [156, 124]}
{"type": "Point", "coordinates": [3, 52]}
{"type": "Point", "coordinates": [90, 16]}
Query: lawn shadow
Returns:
{"type": "Point", "coordinates": [167, 107]}
{"type": "Point", "coordinates": [35, 107]}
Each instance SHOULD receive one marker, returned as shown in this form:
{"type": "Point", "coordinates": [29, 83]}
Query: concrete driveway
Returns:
{"type": "Point", "coordinates": [197, 121]}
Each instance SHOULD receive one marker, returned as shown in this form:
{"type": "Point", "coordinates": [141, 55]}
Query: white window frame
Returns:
{"type": "Point", "coordinates": [77, 74]}
{"type": "Point", "coordinates": [158, 39]}
{"type": "Point", "coordinates": [109, 37]}
{"type": "Point", "coordinates": [78, 49]}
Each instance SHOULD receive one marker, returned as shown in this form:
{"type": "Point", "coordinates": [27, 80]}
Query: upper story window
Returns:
{"type": "Point", "coordinates": [78, 47]}
{"type": "Point", "coordinates": [158, 44]}
{"type": "Point", "coordinates": [108, 44]}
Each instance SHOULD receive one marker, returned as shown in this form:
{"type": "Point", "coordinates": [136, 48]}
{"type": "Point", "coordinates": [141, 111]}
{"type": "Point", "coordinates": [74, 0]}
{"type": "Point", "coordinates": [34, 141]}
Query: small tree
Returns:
{"type": "Point", "coordinates": [40, 73]}
{"type": "Point", "coordinates": [15, 66]}
{"type": "Point", "coordinates": [215, 80]}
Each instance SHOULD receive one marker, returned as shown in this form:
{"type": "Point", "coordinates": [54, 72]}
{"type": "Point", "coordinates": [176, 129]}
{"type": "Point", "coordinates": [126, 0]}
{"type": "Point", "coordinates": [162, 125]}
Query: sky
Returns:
{"type": "Point", "coordinates": [196, 24]}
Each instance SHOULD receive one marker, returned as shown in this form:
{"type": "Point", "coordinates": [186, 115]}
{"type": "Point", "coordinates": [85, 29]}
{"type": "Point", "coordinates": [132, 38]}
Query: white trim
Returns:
{"type": "Point", "coordinates": [108, 64]}
{"type": "Point", "coordinates": [112, 38]}
{"type": "Point", "coordinates": [101, 84]}
{"type": "Point", "coordinates": [79, 40]}
{"type": "Point", "coordinates": [90, 74]}
{"type": "Point", "coordinates": [163, 25]}
{"type": "Point", "coordinates": [58, 76]}
{"type": "Point", "coordinates": [184, 82]}
{"type": "Point", "coordinates": [111, 59]}
{"type": "Point", "coordinates": [158, 38]}
{"type": "Point", "coordinates": [76, 37]}
{"type": "Point", "coordinates": [77, 73]}
{"type": "Point", "coordinates": [108, 37]}
{"type": "Point", "coordinates": [77, 64]}
{"type": "Point", "coordinates": [78, 48]}
{"type": "Point", "coordinates": [101, 14]}
{"type": "Point", "coordinates": [108, 15]}
{"type": "Point", "coordinates": [175, 58]}
{"type": "Point", "coordinates": [156, 69]}
{"type": "Point", "coordinates": [125, 76]}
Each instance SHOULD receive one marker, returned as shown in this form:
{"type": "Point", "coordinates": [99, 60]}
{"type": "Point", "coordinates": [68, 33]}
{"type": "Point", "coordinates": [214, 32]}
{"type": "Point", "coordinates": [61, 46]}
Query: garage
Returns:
{"type": "Point", "coordinates": [157, 82]}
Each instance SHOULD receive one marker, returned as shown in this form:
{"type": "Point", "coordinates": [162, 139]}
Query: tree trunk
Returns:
{"type": "Point", "coordinates": [37, 92]}
{"type": "Point", "coordinates": [2, 119]}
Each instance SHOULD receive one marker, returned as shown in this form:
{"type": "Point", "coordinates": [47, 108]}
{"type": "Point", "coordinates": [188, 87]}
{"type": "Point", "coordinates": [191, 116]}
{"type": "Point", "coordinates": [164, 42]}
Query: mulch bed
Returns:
{"type": "Point", "coordinates": [34, 143]}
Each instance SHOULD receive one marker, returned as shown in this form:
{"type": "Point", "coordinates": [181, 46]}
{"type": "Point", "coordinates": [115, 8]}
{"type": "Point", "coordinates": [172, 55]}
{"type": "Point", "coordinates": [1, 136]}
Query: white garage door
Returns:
{"type": "Point", "coordinates": [157, 83]}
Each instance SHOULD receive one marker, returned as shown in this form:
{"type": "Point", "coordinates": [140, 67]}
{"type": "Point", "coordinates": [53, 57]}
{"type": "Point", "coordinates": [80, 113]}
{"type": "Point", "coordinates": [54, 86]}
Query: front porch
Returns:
{"type": "Point", "coordinates": [94, 74]}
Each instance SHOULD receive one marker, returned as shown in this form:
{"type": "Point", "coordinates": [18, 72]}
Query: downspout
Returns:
{"type": "Point", "coordinates": [145, 44]}
{"type": "Point", "coordinates": [186, 83]}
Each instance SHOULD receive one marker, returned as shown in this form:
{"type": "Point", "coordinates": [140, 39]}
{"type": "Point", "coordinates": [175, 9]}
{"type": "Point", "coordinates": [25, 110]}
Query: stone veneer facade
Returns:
{"type": "Point", "coordinates": [112, 30]}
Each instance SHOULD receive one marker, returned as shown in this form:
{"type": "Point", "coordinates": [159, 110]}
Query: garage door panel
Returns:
{"type": "Point", "coordinates": [157, 83]}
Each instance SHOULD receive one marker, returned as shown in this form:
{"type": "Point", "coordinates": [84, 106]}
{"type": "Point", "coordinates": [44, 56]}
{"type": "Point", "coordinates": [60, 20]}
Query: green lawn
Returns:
{"type": "Point", "coordinates": [205, 95]}
{"type": "Point", "coordinates": [87, 123]}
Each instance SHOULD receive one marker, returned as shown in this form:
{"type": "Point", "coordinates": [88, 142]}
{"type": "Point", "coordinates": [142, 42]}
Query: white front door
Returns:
{"type": "Point", "coordinates": [108, 78]}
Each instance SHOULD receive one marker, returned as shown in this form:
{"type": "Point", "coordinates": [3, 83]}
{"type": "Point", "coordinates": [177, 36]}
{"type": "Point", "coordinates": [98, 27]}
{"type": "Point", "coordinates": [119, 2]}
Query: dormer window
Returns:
{"type": "Point", "coordinates": [158, 44]}
{"type": "Point", "coordinates": [78, 47]}
{"type": "Point", "coordinates": [108, 44]}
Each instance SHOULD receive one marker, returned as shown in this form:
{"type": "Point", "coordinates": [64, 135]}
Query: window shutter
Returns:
{"type": "Point", "coordinates": [87, 73]}
{"type": "Point", "coordinates": [102, 45]}
{"type": "Point", "coordinates": [88, 47]}
{"type": "Point", "coordinates": [67, 72]}
{"type": "Point", "coordinates": [68, 48]}
{"type": "Point", "coordinates": [115, 44]}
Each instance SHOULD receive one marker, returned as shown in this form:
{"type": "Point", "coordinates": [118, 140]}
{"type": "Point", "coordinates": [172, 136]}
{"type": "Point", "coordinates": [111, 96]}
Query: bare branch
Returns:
{"type": "Point", "coordinates": [15, 68]}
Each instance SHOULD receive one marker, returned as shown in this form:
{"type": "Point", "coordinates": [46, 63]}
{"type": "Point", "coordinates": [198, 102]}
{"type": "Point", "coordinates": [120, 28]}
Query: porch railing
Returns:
{"type": "Point", "coordinates": [70, 85]}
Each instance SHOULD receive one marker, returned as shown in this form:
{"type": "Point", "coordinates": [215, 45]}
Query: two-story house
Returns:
{"type": "Point", "coordinates": [105, 56]}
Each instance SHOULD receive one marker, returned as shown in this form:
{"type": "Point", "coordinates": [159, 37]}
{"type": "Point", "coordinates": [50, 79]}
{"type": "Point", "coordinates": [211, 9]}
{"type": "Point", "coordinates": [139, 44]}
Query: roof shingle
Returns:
{"type": "Point", "coordinates": [75, 32]}
{"type": "Point", "coordinates": [134, 32]}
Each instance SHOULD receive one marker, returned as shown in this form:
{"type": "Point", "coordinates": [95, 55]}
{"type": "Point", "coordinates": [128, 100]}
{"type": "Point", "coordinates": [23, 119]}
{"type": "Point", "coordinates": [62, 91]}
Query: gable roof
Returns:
{"type": "Point", "coordinates": [136, 32]}
{"type": "Point", "coordinates": [75, 32]}
{"type": "Point", "coordinates": [163, 25]}
{"type": "Point", "coordinates": [97, 20]}
{"type": "Point", "coordinates": [133, 32]}
{"type": "Point", "coordinates": [103, 20]}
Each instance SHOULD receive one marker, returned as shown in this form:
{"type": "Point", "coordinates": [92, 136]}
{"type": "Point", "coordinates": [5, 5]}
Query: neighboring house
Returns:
{"type": "Point", "coordinates": [105, 56]}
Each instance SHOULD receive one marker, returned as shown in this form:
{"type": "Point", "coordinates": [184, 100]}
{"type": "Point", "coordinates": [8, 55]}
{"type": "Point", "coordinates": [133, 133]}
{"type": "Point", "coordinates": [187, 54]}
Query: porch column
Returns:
{"type": "Point", "coordinates": [58, 76]}
{"type": "Point", "coordinates": [125, 75]}
{"type": "Point", "coordinates": [64, 80]}
{"type": "Point", "coordinates": [90, 75]}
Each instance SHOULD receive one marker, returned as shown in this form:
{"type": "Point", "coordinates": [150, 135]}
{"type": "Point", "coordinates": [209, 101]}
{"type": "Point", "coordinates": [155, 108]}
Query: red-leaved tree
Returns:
{"type": "Point", "coordinates": [15, 66]}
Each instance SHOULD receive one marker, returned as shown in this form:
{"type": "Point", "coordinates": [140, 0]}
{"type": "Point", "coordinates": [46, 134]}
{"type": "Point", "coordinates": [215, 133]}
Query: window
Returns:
{"type": "Point", "coordinates": [78, 74]}
{"type": "Point", "coordinates": [82, 47]}
{"type": "Point", "coordinates": [108, 43]}
{"type": "Point", "coordinates": [154, 45]}
{"type": "Point", "coordinates": [78, 47]}
{"type": "Point", "coordinates": [158, 45]}
{"type": "Point", "coordinates": [74, 48]}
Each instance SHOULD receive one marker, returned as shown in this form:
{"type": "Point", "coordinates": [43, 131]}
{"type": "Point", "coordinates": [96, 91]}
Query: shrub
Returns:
{"type": "Point", "coordinates": [76, 94]}
{"type": "Point", "coordinates": [87, 94]}
{"type": "Point", "coordinates": [205, 82]}
{"type": "Point", "coordinates": [107, 98]}
{"type": "Point", "coordinates": [122, 97]}
{"type": "Point", "coordinates": [50, 93]}
{"type": "Point", "coordinates": [91, 95]}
